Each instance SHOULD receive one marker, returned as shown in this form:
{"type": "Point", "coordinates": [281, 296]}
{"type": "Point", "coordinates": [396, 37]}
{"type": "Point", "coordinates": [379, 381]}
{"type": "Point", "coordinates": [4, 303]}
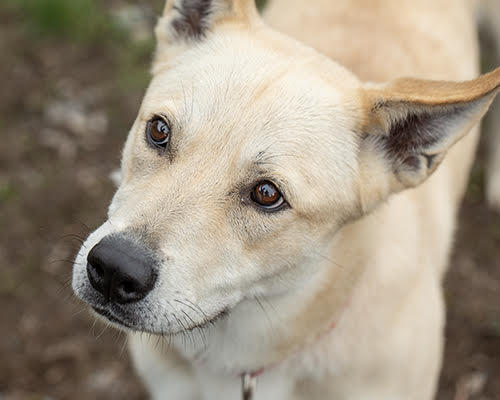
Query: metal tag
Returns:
{"type": "Point", "coordinates": [248, 384]}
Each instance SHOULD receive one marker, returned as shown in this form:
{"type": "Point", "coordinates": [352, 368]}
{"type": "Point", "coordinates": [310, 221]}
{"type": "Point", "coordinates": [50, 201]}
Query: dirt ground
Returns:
{"type": "Point", "coordinates": [66, 103]}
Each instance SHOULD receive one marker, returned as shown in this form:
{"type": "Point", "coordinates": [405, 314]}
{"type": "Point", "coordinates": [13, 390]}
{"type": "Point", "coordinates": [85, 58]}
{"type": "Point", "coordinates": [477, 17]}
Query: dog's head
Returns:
{"type": "Point", "coordinates": [249, 152]}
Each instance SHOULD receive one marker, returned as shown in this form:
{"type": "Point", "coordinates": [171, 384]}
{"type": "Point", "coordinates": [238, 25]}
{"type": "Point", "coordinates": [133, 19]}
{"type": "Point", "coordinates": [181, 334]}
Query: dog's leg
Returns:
{"type": "Point", "coordinates": [490, 48]}
{"type": "Point", "coordinates": [165, 374]}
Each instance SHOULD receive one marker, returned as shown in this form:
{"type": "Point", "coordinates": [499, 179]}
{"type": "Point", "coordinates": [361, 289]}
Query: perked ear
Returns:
{"type": "Point", "coordinates": [409, 126]}
{"type": "Point", "coordinates": [185, 22]}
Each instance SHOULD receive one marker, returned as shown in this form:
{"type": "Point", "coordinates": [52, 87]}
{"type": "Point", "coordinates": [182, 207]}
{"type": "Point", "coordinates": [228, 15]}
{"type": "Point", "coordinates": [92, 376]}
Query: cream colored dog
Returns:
{"type": "Point", "coordinates": [277, 215]}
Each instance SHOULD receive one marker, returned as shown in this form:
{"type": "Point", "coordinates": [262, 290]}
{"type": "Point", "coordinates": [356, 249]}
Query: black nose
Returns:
{"type": "Point", "coordinates": [120, 269]}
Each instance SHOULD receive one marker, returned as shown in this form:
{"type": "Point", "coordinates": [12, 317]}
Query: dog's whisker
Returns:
{"type": "Point", "coordinates": [190, 333]}
{"type": "Point", "coordinates": [78, 312]}
{"type": "Point", "coordinates": [104, 329]}
{"type": "Point", "coordinates": [179, 322]}
{"type": "Point", "coordinates": [73, 236]}
{"type": "Point", "coordinates": [123, 337]}
{"type": "Point", "coordinates": [61, 260]}
{"type": "Point", "coordinates": [84, 225]}
{"type": "Point", "coordinates": [266, 314]}
{"type": "Point", "coordinates": [329, 259]}
{"type": "Point", "coordinates": [93, 326]}
{"type": "Point", "coordinates": [158, 339]}
{"type": "Point", "coordinates": [188, 317]}
{"type": "Point", "coordinates": [193, 307]}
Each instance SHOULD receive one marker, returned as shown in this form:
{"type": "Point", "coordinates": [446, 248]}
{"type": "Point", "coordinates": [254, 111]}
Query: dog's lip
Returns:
{"type": "Point", "coordinates": [203, 324]}
{"type": "Point", "coordinates": [111, 317]}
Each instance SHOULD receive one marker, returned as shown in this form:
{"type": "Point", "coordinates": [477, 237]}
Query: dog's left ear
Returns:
{"type": "Point", "coordinates": [187, 22]}
{"type": "Point", "coordinates": [410, 124]}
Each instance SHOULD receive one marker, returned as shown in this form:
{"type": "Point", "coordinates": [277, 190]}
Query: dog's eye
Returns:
{"type": "Point", "coordinates": [267, 196]}
{"type": "Point", "coordinates": [158, 132]}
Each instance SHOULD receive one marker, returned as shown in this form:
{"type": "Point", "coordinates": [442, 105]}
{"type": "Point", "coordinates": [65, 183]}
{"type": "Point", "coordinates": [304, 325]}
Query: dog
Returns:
{"type": "Point", "coordinates": [288, 198]}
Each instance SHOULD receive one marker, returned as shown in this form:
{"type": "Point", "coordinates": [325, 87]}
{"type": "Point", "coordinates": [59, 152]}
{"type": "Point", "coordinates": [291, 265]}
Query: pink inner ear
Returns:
{"type": "Point", "coordinates": [416, 130]}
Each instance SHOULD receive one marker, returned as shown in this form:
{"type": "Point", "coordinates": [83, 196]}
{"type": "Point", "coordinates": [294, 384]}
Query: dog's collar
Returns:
{"type": "Point", "coordinates": [249, 379]}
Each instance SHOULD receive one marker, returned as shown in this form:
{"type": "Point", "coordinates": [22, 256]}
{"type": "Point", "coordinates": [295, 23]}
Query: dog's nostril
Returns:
{"type": "Point", "coordinates": [129, 290]}
{"type": "Point", "coordinates": [98, 271]}
{"type": "Point", "coordinates": [128, 287]}
{"type": "Point", "coordinates": [96, 277]}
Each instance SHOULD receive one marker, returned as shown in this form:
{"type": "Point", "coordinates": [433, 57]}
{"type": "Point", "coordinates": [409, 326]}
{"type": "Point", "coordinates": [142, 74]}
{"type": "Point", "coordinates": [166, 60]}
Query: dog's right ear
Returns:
{"type": "Point", "coordinates": [187, 22]}
{"type": "Point", "coordinates": [410, 124]}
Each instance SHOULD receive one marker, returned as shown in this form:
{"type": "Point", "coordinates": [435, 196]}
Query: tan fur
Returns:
{"type": "Point", "coordinates": [365, 240]}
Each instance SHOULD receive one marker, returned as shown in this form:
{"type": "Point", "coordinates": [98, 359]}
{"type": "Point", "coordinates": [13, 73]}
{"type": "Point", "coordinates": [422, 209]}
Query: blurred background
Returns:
{"type": "Point", "coordinates": [72, 75]}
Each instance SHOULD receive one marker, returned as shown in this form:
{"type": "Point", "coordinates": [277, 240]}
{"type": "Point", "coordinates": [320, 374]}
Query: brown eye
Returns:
{"type": "Point", "coordinates": [267, 196]}
{"type": "Point", "coordinates": [158, 132]}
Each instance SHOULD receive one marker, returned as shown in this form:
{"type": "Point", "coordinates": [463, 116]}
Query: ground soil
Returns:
{"type": "Point", "coordinates": [54, 189]}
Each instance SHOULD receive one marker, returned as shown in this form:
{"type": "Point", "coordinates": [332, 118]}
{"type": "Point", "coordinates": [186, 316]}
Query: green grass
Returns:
{"type": "Point", "coordinates": [495, 231]}
{"type": "Point", "coordinates": [87, 23]}
{"type": "Point", "coordinates": [73, 19]}
{"type": "Point", "coordinates": [475, 189]}
{"type": "Point", "coordinates": [7, 192]}
{"type": "Point", "coordinates": [261, 4]}
{"type": "Point", "coordinates": [133, 65]}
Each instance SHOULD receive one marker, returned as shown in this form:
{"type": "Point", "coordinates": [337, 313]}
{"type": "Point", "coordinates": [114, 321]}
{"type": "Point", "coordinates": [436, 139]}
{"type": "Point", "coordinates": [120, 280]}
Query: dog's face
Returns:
{"type": "Point", "coordinates": [249, 152]}
{"type": "Point", "coordinates": [223, 184]}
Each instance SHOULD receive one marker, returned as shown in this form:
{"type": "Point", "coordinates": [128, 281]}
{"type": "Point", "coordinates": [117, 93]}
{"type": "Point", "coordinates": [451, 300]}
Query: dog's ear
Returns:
{"type": "Point", "coordinates": [186, 22]}
{"type": "Point", "coordinates": [410, 124]}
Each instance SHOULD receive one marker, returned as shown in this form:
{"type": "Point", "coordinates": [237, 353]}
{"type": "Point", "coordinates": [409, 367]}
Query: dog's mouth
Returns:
{"type": "Point", "coordinates": [112, 318]}
{"type": "Point", "coordinates": [206, 323]}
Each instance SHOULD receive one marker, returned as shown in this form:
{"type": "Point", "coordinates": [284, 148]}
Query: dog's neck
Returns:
{"type": "Point", "coordinates": [249, 379]}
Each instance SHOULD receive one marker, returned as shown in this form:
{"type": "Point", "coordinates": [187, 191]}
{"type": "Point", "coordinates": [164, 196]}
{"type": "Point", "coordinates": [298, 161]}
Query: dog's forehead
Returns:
{"type": "Point", "coordinates": [249, 98]}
